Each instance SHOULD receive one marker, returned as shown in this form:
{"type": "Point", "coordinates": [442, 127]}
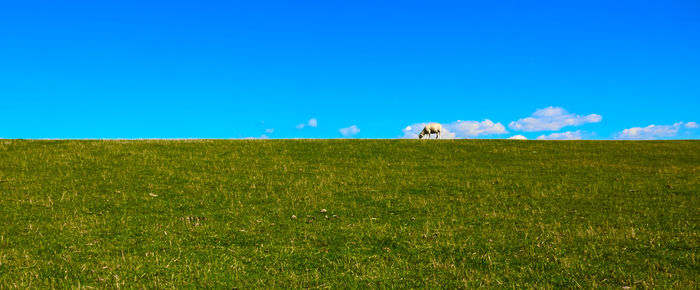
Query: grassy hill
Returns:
{"type": "Point", "coordinates": [396, 213]}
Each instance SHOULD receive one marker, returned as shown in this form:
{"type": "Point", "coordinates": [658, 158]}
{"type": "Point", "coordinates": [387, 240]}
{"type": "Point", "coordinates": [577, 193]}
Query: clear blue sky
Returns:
{"type": "Point", "coordinates": [232, 69]}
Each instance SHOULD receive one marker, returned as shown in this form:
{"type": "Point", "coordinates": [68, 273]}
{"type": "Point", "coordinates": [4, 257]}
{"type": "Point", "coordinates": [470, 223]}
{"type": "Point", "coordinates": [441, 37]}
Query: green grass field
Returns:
{"type": "Point", "coordinates": [399, 213]}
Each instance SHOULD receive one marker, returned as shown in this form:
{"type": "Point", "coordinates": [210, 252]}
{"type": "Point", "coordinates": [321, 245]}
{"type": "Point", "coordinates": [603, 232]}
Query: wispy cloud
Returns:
{"type": "Point", "coordinates": [263, 136]}
{"type": "Point", "coordinates": [311, 123]}
{"type": "Point", "coordinates": [552, 119]}
{"type": "Point", "coordinates": [570, 135]}
{"type": "Point", "coordinates": [269, 130]}
{"type": "Point", "coordinates": [652, 132]}
{"type": "Point", "coordinates": [349, 131]}
{"type": "Point", "coordinates": [459, 129]}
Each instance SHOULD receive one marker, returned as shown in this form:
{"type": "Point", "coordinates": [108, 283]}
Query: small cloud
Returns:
{"type": "Point", "coordinates": [269, 130]}
{"type": "Point", "coordinates": [311, 123]}
{"type": "Point", "coordinates": [570, 135]}
{"type": "Point", "coordinates": [467, 129]}
{"type": "Point", "coordinates": [459, 129]}
{"type": "Point", "coordinates": [263, 136]}
{"type": "Point", "coordinates": [517, 137]}
{"type": "Point", "coordinates": [349, 131]}
{"type": "Point", "coordinates": [652, 132]}
{"type": "Point", "coordinates": [552, 119]}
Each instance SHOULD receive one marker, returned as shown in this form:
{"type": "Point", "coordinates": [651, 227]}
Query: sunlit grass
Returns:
{"type": "Point", "coordinates": [398, 213]}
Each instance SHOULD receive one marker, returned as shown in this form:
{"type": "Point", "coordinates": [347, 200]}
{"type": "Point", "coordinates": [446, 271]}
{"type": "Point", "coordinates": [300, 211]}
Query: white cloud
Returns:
{"type": "Point", "coordinates": [517, 137]}
{"type": "Point", "coordinates": [269, 130]}
{"type": "Point", "coordinates": [458, 129]}
{"type": "Point", "coordinates": [261, 137]}
{"type": "Point", "coordinates": [570, 135]}
{"type": "Point", "coordinates": [552, 119]}
{"type": "Point", "coordinates": [652, 132]}
{"type": "Point", "coordinates": [475, 128]}
{"type": "Point", "coordinates": [311, 123]}
{"type": "Point", "coordinates": [349, 131]}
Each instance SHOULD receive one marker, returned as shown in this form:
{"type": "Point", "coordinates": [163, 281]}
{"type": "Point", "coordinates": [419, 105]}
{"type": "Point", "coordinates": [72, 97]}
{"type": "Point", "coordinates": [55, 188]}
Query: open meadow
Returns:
{"type": "Point", "coordinates": [349, 213]}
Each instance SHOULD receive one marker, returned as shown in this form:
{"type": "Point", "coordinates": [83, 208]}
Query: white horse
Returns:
{"type": "Point", "coordinates": [431, 128]}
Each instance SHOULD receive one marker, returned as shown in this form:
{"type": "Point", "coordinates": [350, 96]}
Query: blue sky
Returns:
{"type": "Point", "coordinates": [234, 69]}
